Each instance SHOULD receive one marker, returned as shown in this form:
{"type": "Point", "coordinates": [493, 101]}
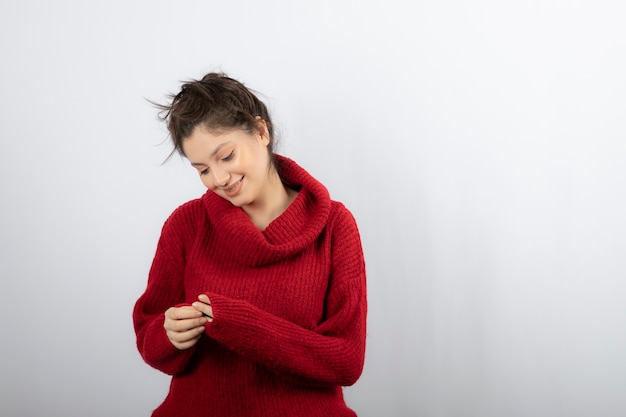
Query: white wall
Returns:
{"type": "Point", "coordinates": [480, 144]}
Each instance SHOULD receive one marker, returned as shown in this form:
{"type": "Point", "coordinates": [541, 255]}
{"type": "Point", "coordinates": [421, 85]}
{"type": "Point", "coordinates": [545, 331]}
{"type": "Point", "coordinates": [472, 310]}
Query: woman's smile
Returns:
{"type": "Point", "coordinates": [235, 188]}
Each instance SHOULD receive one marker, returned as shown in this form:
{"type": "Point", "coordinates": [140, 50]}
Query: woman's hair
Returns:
{"type": "Point", "coordinates": [217, 103]}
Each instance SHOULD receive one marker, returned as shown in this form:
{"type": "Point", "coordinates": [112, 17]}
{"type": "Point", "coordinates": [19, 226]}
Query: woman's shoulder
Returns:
{"type": "Point", "coordinates": [188, 214]}
{"type": "Point", "coordinates": [191, 207]}
{"type": "Point", "coordinates": [340, 216]}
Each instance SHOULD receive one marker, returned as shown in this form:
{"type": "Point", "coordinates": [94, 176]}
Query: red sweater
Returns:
{"type": "Point", "coordinates": [289, 307]}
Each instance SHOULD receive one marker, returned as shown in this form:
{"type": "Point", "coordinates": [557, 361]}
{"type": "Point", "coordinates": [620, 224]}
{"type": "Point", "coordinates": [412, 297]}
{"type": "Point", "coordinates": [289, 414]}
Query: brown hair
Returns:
{"type": "Point", "coordinates": [216, 102]}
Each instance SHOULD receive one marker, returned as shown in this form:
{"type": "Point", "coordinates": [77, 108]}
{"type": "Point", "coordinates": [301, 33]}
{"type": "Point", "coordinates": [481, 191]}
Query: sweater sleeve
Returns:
{"type": "Point", "coordinates": [332, 353]}
{"type": "Point", "coordinates": [165, 289]}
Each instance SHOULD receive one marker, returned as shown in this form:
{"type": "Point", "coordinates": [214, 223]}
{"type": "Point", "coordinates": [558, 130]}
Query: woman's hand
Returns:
{"type": "Point", "coordinates": [184, 326]}
{"type": "Point", "coordinates": [203, 305]}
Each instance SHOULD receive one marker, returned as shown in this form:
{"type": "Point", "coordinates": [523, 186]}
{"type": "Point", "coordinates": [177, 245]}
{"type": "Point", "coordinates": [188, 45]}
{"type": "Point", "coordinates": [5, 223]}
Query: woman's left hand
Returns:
{"type": "Point", "coordinates": [203, 305]}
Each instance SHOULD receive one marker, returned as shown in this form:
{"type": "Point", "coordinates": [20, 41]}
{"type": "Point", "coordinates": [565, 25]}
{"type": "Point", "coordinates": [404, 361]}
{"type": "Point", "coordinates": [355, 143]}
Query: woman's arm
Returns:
{"type": "Point", "coordinates": [165, 289]}
{"type": "Point", "coordinates": [330, 354]}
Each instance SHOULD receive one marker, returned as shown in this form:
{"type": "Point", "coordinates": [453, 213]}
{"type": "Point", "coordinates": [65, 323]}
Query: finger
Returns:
{"type": "Point", "coordinates": [185, 324]}
{"type": "Point", "coordinates": [205, 309]}
{"type": "Point", "coordinates": [204, 298]}
{"type": "Point", "coordinates": [187, 344]}
{"type": "Point", "coordinates": [180, 313]}
{"type": "Point", "coordinates": [182, 337]}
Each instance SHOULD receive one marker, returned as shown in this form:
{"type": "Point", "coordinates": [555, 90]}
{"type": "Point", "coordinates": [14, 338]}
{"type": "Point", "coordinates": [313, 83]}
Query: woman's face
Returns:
{"type": "Point", "coordinates": [234, 164]}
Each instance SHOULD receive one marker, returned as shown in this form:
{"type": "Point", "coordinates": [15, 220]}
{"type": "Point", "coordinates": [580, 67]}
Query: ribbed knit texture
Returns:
{"type": "Point", "coordinates": [289, 307]}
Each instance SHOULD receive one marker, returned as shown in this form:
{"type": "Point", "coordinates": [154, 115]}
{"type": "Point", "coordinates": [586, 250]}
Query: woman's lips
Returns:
{"type": "Point", "coordinates": [234, 189]}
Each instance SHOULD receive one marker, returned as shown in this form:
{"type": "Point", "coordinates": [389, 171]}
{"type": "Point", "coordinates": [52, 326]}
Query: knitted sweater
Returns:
{"type": "Point", "coordinates": [289, 306]}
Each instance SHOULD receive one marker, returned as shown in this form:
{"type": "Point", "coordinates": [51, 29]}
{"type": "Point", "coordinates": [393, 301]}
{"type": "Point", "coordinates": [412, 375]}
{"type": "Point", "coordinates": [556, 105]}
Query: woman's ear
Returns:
{"type": "Point", "coordinates": [263, 131]}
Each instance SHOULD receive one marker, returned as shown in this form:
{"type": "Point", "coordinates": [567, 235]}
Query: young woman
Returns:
{"type": "Point", "coordinates": [256, 298]}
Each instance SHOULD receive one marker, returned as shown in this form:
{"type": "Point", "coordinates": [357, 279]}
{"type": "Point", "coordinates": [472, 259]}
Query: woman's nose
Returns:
{"type": "Point", "coordinates": [220, 177]}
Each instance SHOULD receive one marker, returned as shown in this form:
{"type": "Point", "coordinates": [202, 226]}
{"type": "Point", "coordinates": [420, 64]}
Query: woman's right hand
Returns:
{"type": "Point", "coordinates": [184, 326]}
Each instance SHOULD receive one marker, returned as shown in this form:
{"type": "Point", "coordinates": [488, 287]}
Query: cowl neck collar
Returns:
{"type": "Point", "coordinates": [295, 229]}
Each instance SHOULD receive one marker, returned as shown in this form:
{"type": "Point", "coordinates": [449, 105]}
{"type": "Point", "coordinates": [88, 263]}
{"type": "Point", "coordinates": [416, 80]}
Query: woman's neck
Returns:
{"type": "Point", "coordinates": [274, 201]}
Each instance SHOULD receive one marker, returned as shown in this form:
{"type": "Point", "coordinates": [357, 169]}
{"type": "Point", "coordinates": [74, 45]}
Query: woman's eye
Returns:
{"type": "Point", "coordinates": [229, 156]}
{"type": "Point", "coordinates": [204, 171]}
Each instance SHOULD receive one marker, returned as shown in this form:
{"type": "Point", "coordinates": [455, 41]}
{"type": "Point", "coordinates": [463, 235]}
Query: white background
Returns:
{"type": "Point", "coordinates": [480, 145]}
